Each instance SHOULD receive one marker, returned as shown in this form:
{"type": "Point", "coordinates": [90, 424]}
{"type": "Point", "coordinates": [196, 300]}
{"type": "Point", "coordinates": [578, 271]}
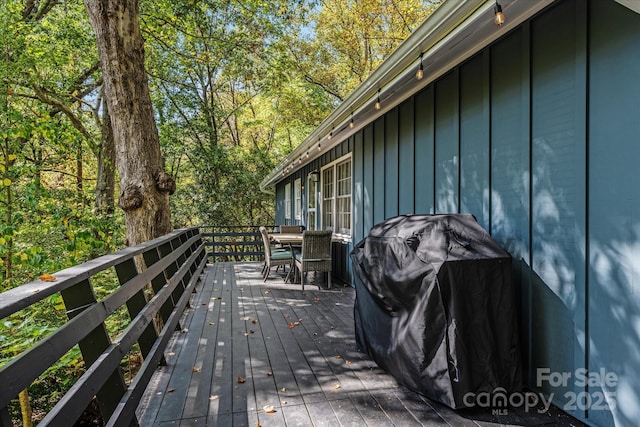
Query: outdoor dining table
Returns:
{"type": "Point", "coordinates": [293, 240]}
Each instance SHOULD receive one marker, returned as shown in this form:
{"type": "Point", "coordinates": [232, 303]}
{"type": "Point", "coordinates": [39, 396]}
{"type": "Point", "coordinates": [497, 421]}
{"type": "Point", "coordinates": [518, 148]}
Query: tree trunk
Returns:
{"type": "Point", "coordinates": [106, 180]}
{"type": "Point", "coordinates": [144, 186]}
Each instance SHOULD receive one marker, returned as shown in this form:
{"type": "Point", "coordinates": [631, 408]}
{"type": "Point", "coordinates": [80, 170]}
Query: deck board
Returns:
{"type": "Point", "coordinates": [296, 352]}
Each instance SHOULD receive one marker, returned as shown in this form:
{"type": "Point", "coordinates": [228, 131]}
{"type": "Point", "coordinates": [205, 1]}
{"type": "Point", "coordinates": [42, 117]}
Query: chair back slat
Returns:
{"type": "Point", "coordinates": [267, 244]}
{"type": "Point", "coordinates": [316, 248]}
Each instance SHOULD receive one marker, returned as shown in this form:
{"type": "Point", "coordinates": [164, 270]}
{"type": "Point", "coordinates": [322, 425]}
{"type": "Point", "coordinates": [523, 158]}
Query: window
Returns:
{"type": "Point", "coordinates": [312, 199]}
{"type": "Point", "coordinates": [297, 199]}
{"type": "Point", "coordinates": [336, 196]}
{"type": "Point", "coordinates": [287, 201]}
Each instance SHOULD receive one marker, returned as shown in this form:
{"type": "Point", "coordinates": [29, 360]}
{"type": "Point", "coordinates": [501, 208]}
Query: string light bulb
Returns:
{"type": "Point", "coordinates": [319, 147]}
{"type": "Point", "coordinates": [420, 72]}
{"type": "Point", "coordinates": [497, 10]}
{"type": "Point", "coordinates": [307, 154]}
{"type": "Point", "coordinates": [351, 123]}
{"type": "Point", "coordinates": [378, 105]}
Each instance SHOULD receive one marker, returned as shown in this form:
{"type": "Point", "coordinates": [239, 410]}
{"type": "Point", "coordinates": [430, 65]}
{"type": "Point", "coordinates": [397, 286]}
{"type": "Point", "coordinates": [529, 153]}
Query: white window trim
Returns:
{"type": "Point", "coordinates": [287, 200]}
{"type": "Point", "coordinates": [312, 210]}
{"type": "Point", "coordinates": [319, 202]}
{"type": "Point", "coordinates": [297, 199]}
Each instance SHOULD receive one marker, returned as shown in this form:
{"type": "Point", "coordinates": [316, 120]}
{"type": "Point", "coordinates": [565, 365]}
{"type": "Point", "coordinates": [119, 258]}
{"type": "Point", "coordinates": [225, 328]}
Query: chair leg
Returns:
{"type": "Point", "coordinates": [328, 280]}
{"type": "Point", "coordinates": [302, 275]}
{"type": "Point", "coordinates": [266, 274]}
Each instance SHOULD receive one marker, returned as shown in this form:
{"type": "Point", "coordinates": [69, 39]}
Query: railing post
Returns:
{"type": "Point", "coordinates": [158, 282]}
{"type": "Point", "coordinates": [76, 299]}
{"type": "Point", "coordinates": [164, 250]}
{"type": "Point", "coordinates": [126, 271]}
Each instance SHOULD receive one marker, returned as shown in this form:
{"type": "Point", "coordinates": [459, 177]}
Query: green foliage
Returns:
{"type": "Point", "coordinates": [236, 85]}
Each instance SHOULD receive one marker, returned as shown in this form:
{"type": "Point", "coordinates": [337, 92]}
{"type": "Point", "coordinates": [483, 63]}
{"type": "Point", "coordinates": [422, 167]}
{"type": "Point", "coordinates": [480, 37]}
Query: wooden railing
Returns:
{"type": "Point", "coordinates": [173, 266]}
{"type": "Point", "coordinates": [233, 242]}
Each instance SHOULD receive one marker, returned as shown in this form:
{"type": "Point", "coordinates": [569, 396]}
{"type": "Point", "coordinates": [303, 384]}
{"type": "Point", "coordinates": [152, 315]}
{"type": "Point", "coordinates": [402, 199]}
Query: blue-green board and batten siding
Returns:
{"type": "Point", "coordinates": [538, 136]}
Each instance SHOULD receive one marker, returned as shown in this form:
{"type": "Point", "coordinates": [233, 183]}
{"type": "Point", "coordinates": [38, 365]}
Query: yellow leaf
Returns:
{"type": "Point", "coordinates": [12, 157]}
{"type": "Point", "coordinates": [24, 257]}
{"type": "Point", "coordinates": [7, 182]}
{"type": "Point", "coordinates": [2, 241]}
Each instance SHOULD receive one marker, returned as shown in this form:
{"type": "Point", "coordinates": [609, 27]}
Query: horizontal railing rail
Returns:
{"type": "Point", "coordinates": [155, 297]}
{"type": "Point", "coordinates": [233, 242]}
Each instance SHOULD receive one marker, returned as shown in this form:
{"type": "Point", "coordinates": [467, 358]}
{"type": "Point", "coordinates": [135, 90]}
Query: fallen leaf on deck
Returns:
{"type": "Point", "coordinates": [241, 379]}
{"type": "Point", "coordinates": [290, 325]}
{"type": "Point", "coordinates": [270, 374]}
{"type": "Point", "coordinates": [211, 323]}
{"type": "Point", "coordinates": [185, 330]}
{"type": "Point", "coordinates": [171, 390]}
{"type": "Point", "coordinates": [254, 320]}
{"type": "Point", "coordinates": [269, 409]}
{"type": "Point", "coordinates": [337, 356]}
{"type": "Point", "coordinates": [348, 362]}
{"type": "Point", "coordinates": [316, 299]}
{"type": "Point", "coordinates": [251, 331]}
{"type": "Point", "coordinates": [336, 386]}
{"type": "Point", "coordinates": [267, 292]}
{"type": "Point", "coordinates": [47, 278]}
{"type": "Point", "coordinates": [196, 369]}
{"type": "Point", "coordinates": [283, 389]}
{"type": "Point", "coordinates": [213, 397]}
{"type": "Point", "coordinates": [171, 353]}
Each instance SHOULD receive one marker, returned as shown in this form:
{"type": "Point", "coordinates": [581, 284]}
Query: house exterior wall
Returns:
{"type": "Point", "coordinates": [340, 251]}
{"type": "Point", "coordinates": [538, 136]}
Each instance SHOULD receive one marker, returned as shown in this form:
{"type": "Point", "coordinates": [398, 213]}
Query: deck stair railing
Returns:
{"type": "Point", "coordinates": [174, 263]}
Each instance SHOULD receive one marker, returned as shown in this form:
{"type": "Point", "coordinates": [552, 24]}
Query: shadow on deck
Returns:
{"type": "Point", "coordinates": [246, 345]}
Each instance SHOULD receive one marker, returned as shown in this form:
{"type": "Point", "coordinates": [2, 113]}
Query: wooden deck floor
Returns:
{"type": "Point", "coordinates": [296, 353]}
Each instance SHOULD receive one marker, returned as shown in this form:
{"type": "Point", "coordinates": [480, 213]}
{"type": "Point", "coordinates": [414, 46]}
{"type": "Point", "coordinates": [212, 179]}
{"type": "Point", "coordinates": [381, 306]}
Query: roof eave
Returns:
{"type": "Point", "coordinates": [452, 26]}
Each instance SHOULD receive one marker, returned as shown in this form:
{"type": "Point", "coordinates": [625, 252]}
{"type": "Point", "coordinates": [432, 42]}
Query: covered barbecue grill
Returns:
{"type": "Point", "coordinates": [435, 307]}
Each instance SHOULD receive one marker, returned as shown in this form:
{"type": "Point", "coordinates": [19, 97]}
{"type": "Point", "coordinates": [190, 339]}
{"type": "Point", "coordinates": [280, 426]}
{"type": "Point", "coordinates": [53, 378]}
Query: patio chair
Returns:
{"type": "Point", "coordinates": [291, 229]}
{"type": "Point", "coordinates": [274, 257]}
{"type": "Point", "coordinates": [315, 254]}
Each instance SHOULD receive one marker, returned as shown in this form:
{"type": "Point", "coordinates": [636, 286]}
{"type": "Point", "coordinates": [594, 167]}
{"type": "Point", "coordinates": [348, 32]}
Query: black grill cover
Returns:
{"type": "Point", "coordinates": [435, 306]}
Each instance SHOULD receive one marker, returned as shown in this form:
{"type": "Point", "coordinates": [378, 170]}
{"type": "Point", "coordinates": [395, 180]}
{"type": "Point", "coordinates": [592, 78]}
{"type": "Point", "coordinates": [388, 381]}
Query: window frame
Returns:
{"type": "Point", "coordinates": [297, 199]}
{"type": "Point", "coordinates": [312, 202]}
{"type": "Point", "coordinates": [334, 198]}
{"type": "Point", "coordinates": [287, 201]}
